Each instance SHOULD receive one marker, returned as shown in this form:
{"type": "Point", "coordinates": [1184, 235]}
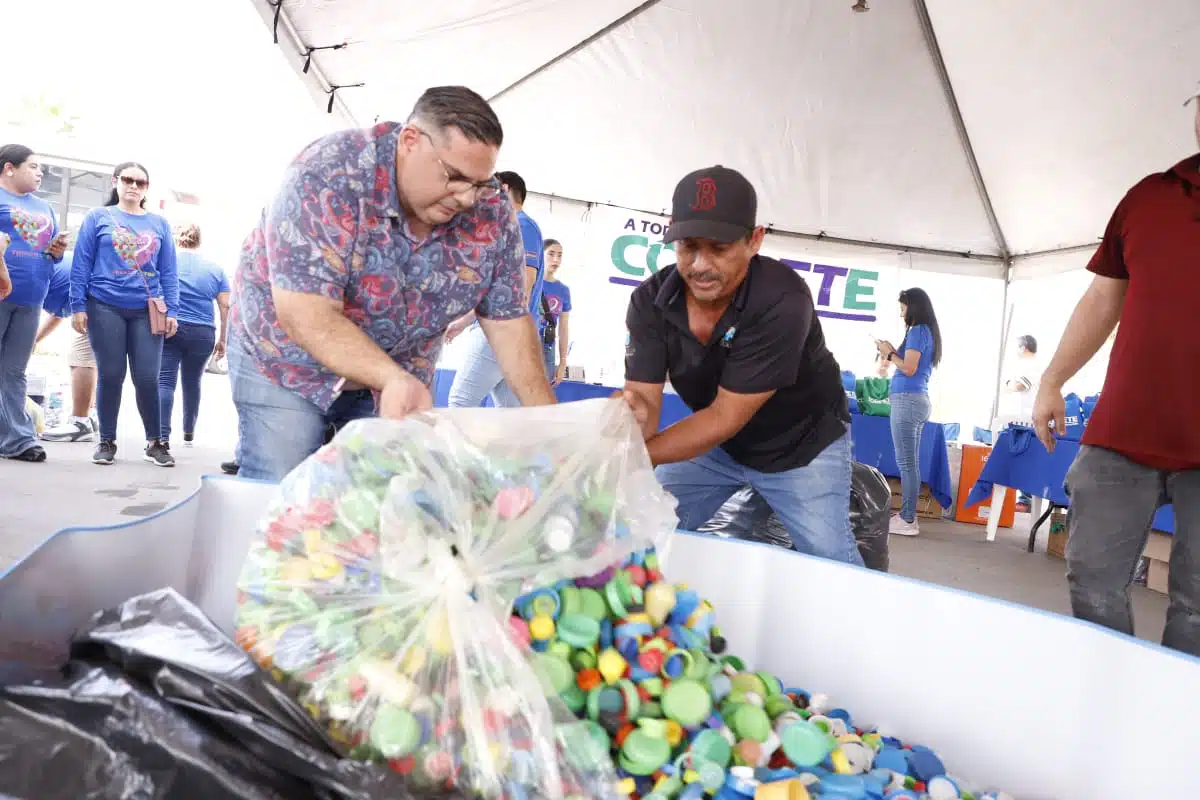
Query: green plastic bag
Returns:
{"type": "Point", "coordinates": [873, 396]}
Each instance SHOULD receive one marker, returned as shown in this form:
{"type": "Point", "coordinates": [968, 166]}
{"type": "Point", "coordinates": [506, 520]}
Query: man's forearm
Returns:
{"type": "Point", "coordinates": [48, 327]}
{"type": "Point", "coordinates": [692, 436]}
{"type": "Point", "coordinates": [224, 323]}
{"type": "Point", "coordinates": [1091, 323]}
{"type": "Point", "coordinates": [339, 345]}
{"type": "Point", "coordinates": [515, 343]}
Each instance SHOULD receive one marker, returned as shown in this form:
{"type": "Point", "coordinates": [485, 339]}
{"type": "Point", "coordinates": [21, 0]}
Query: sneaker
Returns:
{"type": "Point", "coordinates": [159, 453]}
{"type": "Point", "coordinates": [189, 439]}
{"type": "Point", "coordinates": [33, 454]}
{"type": "Point", "coordinates": [899, 527]}
{"type": "Point", "coordinates": [105, 453]}
{"type": "Point", "coordinates": [75, 429]}
{"type": "Point", "coordinates": [230, 467]}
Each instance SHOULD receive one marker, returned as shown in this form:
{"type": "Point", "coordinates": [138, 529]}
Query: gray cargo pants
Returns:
{"type": "Point", "coordinates": [1113, 501]}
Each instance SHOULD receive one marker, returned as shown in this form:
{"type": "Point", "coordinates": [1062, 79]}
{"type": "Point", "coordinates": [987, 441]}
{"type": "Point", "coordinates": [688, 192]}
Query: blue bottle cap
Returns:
{"type": "Point", "coordinates": [892, 758]}
{"type": "Point", "coordinates": [925, 765]}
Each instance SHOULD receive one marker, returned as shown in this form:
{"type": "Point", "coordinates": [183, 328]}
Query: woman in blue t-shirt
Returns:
{"type": "Point", "coordinates": [201, 282]}
{"type": "Point", "coordinates": [30, 246]}
{"type": "Point", "coordinates": [914, 360]}
{"type": "Point", "coordinates": [124, 257]}
{"type": "Point", "coordinates": [556, 312]}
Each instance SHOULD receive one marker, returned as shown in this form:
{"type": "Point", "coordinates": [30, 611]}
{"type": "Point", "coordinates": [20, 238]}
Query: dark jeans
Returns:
{"type": "Point", "coordinates": [1113, 501]}
{"type": "Point", "coordinates": [118, 336]}
{"type": "Point", "coordinates": [188, 350]}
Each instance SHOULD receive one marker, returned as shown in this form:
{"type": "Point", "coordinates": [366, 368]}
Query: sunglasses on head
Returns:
{"type": "Point", "coordinates": [140, 183]}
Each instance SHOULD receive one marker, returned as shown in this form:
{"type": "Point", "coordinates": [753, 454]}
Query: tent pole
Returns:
{"type": "Point", "coordinates": [575, 48]}
{"type": "Point", "coordinates": [1006, 317]}
{"type": "Point", "coordinates": [935, 53]}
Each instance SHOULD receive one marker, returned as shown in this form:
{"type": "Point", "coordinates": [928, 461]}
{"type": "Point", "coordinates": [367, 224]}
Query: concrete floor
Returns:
{"type": "Point", "coordinates": [38, 499]}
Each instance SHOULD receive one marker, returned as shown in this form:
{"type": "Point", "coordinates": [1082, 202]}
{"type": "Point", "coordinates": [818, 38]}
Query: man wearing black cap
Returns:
{"type": "Point", "coordinates": [738, 335]}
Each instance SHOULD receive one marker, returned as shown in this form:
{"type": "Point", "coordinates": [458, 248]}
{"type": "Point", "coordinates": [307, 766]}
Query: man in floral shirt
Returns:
{"type": "Point", "coordinates": [377, 240]}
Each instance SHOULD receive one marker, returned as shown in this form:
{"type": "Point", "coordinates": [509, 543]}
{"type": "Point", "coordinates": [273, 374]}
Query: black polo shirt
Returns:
{"type": "Point", "coordinates": [768, 339]}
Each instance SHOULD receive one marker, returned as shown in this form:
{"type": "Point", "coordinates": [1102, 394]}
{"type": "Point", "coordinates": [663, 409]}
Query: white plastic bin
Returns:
{"type": "Point", "coordinates": [1038, 704]}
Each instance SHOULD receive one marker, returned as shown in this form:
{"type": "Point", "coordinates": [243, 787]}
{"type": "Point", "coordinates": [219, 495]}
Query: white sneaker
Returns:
{"type": "Point", "coordinates": [899, 527]}
{"type": "Point", "coordinates": [75, 429]}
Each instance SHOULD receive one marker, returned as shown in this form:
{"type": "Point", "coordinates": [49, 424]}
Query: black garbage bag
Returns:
{"type": "Point", "coordinates": [157, 703]}
{"type": "Point", "coordinates": [747, 516]}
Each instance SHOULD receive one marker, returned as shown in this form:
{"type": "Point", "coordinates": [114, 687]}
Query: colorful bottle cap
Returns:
{"type": "Point", "coordinates": [592, 604]}
{"type": "Point", "coordinates": [751, 722]}
{"type": "Point", "coordinates": [395, 732]}
{"type": "Point", "coordinates": [687, 702]}
{"type": "Point", "coordinates": [709, 745]}
{"type": "Point", "coordinates": [792, 789]}
{"type": "Point", "coordinates": [925, 765]}
{"type": "Point", "coordinates": [578, 630]}
{"type": "Point", "coordinates": [805, 744]}
{"type": "Point", "coordinates": [642, 754]}
{"type": "Point", "coordinates": [556, 673]}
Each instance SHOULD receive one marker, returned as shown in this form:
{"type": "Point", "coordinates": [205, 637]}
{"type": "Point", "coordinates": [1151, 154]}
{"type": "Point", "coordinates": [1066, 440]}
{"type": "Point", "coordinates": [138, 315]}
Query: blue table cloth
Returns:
{"type": "Point", "coordinates": [872, 435]}
{"type": "Point", "coordinates": [1019, 461]}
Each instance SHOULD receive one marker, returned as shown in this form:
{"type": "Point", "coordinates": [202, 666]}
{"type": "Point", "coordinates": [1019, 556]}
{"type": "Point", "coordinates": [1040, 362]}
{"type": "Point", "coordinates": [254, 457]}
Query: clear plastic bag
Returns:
{"type": "Point", "coordinates": [380, 585]}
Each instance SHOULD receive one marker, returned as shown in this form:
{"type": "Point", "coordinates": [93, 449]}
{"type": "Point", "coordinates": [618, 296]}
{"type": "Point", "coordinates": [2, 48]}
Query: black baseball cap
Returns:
{"type": "Point", "coordinates": [715, 203]}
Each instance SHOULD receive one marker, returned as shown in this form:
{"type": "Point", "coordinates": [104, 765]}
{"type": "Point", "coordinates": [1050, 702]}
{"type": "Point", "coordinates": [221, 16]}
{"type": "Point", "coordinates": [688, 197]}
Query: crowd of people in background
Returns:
{"type": "Point", "coordinates": [137, 306]}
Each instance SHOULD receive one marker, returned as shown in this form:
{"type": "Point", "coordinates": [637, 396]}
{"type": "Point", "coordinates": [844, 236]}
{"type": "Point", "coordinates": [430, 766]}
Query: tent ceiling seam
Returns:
{"type": "Point", "coordinates": [935, 52]}
{"type": "Point", "coordinates": [575, 48]}
{"type": "Point", "coordinates": [313, 75]}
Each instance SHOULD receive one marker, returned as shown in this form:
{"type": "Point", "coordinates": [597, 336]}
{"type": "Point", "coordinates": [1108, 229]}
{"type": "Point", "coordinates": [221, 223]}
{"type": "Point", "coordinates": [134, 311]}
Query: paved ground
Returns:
{"type": "Point", "coordinates": [68, 489]}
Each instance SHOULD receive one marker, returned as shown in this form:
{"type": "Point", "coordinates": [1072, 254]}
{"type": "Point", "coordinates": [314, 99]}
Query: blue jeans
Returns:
{"type": "Point", "coordinates": [910, 412]}
{"type": "Point", "coordinates": [480, 375]}
{"type": "Point", "coordinates": [188, 350]}
{"type": "Point", "coordinates": [277, 428]}
{"type": "Point", "coordinates": [549, 351]}
{"type": "Point", "coordinates": [812, 502]}
{"type": "Point", "coordinates": [18, 328]}
{"type": "Point", "coordinates": [120, 335]}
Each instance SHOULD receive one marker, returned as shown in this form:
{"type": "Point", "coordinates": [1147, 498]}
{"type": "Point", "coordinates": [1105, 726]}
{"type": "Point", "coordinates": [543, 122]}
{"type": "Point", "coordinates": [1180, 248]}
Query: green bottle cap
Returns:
{"type": "Point", "coordinates": [578, 630]}
{"type": "Point", "coordinates": [710, 745]}
{"type": "Point", "coordinates": [642, 754]}
{"type": "Point", "coordinates": [395, 732]}
{"type": "Point", "coordinates": [592, 604]}
{"type": "Point", "coordinates": [556, 674]}
{"type": "Point", "coordinates": [570, 600]}
{"type": "Point", "coordinates": [805, 744]}
{"type": "Point", "coordinates": [751, 722]}
{"type": "Point", "coordinates": [574, 698]}
{"type": "Point", "coordinates": [687, 702]}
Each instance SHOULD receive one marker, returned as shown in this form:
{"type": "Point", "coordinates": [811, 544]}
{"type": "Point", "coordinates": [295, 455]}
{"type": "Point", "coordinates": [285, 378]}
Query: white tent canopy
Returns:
{"type": "Point", "coordinates": [1000, 130]}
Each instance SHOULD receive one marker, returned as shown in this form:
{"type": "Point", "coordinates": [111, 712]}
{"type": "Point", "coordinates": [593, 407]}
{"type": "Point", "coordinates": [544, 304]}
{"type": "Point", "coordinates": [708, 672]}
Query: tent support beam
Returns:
{"type": "Point", "coordinates": [641, 9]}
{"type": "Point", "coordinates": [890, 247]}
{"type": "Point", "coordinates": [297, 54]}
{"type": "Point", "coordinates": [1056, 251]}
{"type": "Point", "coordinates": [1006, 316]}
{"type": "Point", "coordinates": [935, 52]}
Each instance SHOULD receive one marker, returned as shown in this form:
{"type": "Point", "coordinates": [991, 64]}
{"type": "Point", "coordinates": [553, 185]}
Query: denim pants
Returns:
{"type": "Point", "coordinates": [910, 412]}
{"type": "Point", "coordinates": [480, 375]}
{"type": "Point", "coordinates": [1113, 501]}
{"type": "Point", "coordinates": [549, 351]}
{"type": "Point", "coordinates": [120, 335]}
{"type": "Point", "coordinates": [18, 328]}
{"type": "Point", "coordinates": [187, 351]}
{"type": "Point", "coordinates": [277, 428]}
{"type": "Point", "coordinates": [812, 502]}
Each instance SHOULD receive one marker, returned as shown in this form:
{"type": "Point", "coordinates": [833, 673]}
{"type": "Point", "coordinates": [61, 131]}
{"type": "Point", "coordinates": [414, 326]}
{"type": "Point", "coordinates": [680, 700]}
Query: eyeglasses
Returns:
{"type": "Point", "coordinates": [459, 183]}
{"type": "Point", "coordinates": [140, 183]}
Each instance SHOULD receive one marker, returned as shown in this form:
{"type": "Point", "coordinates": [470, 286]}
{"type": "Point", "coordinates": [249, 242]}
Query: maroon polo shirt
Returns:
{"type": "Point", "coordinates": [1149, 410]}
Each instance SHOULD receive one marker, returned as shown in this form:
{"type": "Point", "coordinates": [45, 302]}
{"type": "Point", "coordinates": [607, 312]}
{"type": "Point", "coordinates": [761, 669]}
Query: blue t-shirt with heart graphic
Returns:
{"type": "Point", "coordinates": [31, 227]}
{"type": "Point", "coordinates": [113, 246]}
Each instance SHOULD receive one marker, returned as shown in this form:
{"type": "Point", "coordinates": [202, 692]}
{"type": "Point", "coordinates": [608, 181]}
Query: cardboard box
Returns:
{"type": "Point", "coordinates": [1158, 551]}
{"type": "Point", "coordinates": [974, 457]}
{"type": "Point", "coordinates": [927, 507]}
{"type": "Point", "coordinates": [1156, 576]}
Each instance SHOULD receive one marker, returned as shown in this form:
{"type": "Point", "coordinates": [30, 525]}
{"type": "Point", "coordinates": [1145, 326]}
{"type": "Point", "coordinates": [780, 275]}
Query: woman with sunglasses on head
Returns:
{"type": "Point", "coordinates": [123, 283]}
{"type": "Point", "coordinates": [919, 352]}
{"type": "Point", "coordinates": [30, 245]}
{"type": "Point", "coordinates": [201, 282]}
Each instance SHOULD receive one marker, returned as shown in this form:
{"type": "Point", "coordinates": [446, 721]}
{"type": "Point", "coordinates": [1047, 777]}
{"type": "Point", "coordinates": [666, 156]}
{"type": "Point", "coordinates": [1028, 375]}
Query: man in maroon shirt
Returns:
{"type": "Point", "coordinates": [1141, 448]}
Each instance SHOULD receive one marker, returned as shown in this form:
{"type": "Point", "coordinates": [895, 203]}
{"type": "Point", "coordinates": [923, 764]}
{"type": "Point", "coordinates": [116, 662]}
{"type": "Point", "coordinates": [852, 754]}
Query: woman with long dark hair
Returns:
{"type": "Point", "coordinates": [919, 352]}
{"type": "Point", "coordinates": [123, 284]}
{"type": "Point", "coordinates": [30, 246]}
